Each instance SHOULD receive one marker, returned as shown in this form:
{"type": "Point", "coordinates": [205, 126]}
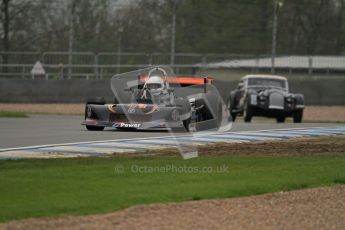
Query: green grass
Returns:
{"type": "Point", "coordinates": [32, 188]}
{"type": "Point", "coordinates": [13, 114]}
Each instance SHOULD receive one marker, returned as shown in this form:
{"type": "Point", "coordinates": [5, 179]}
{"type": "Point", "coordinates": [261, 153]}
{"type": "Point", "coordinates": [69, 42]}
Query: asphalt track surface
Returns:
{"type": "Point", "coordinates": [58, 129]}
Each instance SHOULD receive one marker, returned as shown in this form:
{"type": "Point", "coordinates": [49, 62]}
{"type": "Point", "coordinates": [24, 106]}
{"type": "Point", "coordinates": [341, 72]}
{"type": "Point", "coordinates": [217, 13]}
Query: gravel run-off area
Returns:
{"type": "Point", "coordinates": [319, 208]}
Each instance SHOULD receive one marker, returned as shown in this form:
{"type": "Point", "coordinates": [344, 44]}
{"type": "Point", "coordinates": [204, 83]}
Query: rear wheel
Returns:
{"type": "Point", "coordinates": [297, 116]}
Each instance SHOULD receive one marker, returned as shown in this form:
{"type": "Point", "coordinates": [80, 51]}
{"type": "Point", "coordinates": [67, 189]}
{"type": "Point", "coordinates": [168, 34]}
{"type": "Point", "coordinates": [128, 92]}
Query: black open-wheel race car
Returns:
{"type": "Point", "coordinates": [157, 98]}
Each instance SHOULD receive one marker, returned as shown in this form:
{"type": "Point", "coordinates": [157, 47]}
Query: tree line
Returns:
{"type": "Point", "coordinates": [305, 27]}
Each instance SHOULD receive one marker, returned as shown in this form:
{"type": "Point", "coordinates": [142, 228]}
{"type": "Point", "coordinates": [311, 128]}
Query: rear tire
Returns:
{"type": "Point", "coordinates": [297, 116]}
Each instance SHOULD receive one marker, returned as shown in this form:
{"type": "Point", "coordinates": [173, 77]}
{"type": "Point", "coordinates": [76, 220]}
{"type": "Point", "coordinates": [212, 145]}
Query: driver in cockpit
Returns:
{"type": "Point", "coordinates": [157, 91]}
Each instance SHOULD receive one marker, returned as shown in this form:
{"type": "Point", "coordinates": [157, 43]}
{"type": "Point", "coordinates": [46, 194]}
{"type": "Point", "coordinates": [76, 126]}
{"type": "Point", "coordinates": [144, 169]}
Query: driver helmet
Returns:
{"type": "Point", "coordinates": [155, 85]}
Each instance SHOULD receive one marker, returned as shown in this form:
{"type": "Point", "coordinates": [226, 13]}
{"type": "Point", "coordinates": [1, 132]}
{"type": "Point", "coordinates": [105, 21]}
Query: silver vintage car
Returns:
{"type": "Point", "coordinates": [267, 96]}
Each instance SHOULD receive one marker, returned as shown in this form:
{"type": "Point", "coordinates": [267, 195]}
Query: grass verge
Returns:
{"type": "Point", "coordinates": [13, 114]}
{"type": "Point", "coordinates": [38, 187]}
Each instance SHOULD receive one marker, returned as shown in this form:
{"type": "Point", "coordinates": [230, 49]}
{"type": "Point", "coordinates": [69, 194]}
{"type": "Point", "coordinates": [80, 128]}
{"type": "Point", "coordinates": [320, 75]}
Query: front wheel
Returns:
{"type": "Point", "coordinates": [94, 128]}
{"type": "Point", "coordinates": [280, 119]}
{"type": "Point", "coordinates": [297, 116]}
{"type": "Point", "coordinates": [248, 113]}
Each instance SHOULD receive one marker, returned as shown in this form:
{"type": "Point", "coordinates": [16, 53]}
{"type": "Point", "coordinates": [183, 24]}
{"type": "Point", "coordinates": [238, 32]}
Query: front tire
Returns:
{"type": "Point", "coordinates": [297, 116]}
{"type": "Point", "coordinates": [248, 113]}
{"type": "Point", "coordinates": [96, 101]}
{"type": "Point", "coordinates": [280, 119]}
{"type": "Point", "coordinates": [94, 128]}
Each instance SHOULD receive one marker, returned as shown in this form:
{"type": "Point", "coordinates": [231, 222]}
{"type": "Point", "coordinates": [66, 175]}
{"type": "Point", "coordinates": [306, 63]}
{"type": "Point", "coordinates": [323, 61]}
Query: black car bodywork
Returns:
{"type": "Point", "coordinates": [267, 96]}
{"type": "Point", "coordinates": [195, 103]}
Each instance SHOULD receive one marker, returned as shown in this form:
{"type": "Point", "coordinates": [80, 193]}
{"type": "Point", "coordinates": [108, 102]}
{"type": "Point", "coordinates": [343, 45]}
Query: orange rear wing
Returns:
{"type": "Point", "coordinates": [183, 80]}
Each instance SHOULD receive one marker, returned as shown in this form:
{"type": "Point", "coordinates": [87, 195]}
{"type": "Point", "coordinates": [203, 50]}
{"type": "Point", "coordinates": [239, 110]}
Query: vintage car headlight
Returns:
{"type": "Point", "coordinates": [290, 99]}
{"type": "Point", "coordinates": [253, 99]}
{"type": "Point", "coordinates": [262, 97]}
{"type": "Point", "coordinates": [192, 102]}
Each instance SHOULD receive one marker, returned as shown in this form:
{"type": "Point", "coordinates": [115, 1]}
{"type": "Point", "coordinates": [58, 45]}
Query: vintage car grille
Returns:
{"type": "Point", "coordinates": [129, 118]}
{"type": "Point", "coordinates": [276, 101]}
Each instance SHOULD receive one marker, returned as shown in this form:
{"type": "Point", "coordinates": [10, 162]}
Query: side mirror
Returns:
{"type": "Point", "coordinates": [127, 89]}
{"type": "Point", "coordinates": [240, 85]}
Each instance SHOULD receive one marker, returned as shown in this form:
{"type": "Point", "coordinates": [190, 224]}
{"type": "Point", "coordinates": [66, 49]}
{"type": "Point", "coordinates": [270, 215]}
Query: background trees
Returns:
{"type": "Point", "coordinates": [203, 26]}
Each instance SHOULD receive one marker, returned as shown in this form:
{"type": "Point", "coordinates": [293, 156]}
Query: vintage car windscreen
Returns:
{"type": "Point", "coordinates": [264, 82]}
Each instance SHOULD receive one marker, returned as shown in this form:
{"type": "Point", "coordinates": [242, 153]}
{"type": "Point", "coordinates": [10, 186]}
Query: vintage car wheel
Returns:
{"type": "Point", "coordinates": [297, 116]}
{"type": "Point", "coordinates": [280, 119]}
{"type": "Point", "coordinates": [232, 117]}
{"type": "Point", "coordinates": [94, 128]}
{"type": "Point", "coordinates": [247, 113]}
